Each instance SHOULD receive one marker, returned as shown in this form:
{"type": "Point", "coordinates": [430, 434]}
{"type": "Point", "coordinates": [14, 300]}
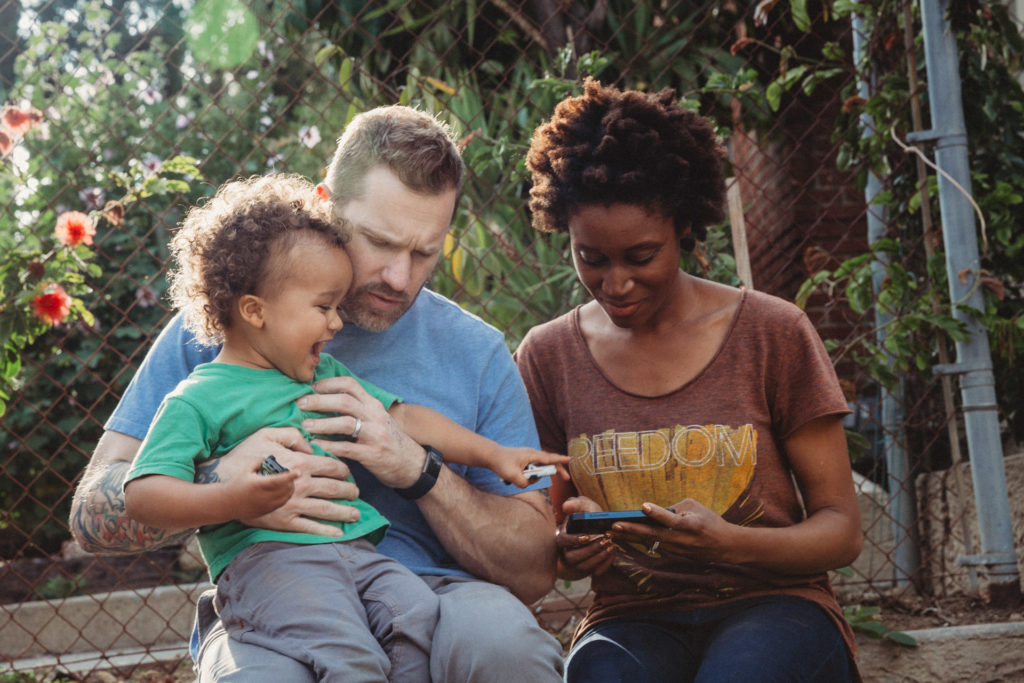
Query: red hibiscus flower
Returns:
{"type": "Point", "coordinates": [74, 228]}
{"type": "Point", "coordinates": [53, 305]}
{"type": "Point", "coordinates": [20, 121]}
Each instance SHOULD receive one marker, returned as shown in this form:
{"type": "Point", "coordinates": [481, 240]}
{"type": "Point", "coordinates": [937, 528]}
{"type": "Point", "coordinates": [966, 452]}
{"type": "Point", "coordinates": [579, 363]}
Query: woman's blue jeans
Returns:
{"type": "Point", "coordinates": [777, 638]}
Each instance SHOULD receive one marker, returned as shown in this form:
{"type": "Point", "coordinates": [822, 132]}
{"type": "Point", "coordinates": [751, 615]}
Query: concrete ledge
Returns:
{"type": "Point", "coordinates": [85, 663]}
{"type": "Point", "coordinates": [100, 622]}
{"type": "Point", "coordinates": [984, 652]}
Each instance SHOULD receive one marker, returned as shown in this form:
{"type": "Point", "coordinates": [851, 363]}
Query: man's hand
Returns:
{"type": "Point", "coordinates": [320, 481]}
{"type": "Point", "coordinates": [382, 447]}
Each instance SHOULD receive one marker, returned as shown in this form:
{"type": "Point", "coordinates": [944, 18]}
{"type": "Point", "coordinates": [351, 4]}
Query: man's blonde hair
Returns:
{"type": "Point", "coordinates": [419, 149]}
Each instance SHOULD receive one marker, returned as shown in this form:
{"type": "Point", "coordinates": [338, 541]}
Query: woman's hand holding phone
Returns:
{"type": "Point", "coordinates": [585, 554]}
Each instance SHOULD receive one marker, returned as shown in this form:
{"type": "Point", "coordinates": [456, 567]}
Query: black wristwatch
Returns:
{"type": "Point", "coordinates": [428, 477]}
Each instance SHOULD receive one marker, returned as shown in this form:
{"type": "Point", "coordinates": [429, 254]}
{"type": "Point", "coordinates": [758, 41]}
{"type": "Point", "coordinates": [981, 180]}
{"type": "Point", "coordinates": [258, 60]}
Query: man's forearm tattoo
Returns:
{"type": "Point", "coordinates": [206, 472]}
{"type": "Point", "coordinates": [547, 496]}
{"type": "Point", "coordinates": [102, 525]}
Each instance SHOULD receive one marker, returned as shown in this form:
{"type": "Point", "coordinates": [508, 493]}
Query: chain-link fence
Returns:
{"type": "Point", "coordinates": [124, 87]}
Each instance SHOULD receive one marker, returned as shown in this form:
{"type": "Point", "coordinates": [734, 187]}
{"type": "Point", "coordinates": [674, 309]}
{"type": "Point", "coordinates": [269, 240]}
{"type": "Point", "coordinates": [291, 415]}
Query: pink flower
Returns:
{"type": "Point", "coordinates": [150, 95]}
{"type": "Point", "coordinates": [309, 136]}
{"type": "Point", "coordinates": [53, 305]}
{"type": "Point", "coordinates": [6, 143]}
{"type": "Point", "coordinates": [151, 164]}
{"type": "Point", "coordinates": [74, 228]}
{"type": "Point", "coordinates": [146, 296]}
{"type": "Point", "coordinates": [93, 197]}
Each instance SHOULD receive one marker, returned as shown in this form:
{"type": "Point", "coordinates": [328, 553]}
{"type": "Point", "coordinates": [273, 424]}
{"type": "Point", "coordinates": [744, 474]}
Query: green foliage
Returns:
{"type": "Point", "coordinates": [877, 281]}
{"type": "Point", "coordinates": [30, 677]}
{"type": "Point", "coordinates": [62, 587]}
{"type": "Point", "coordinates": [866, 620]}
{"type": "Point", "coordinates": [901, 279]}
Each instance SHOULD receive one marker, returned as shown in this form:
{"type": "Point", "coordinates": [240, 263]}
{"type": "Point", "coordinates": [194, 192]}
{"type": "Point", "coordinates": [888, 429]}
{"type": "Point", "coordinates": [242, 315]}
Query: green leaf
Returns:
{"type": "Point", "coordinates": [773, 93]}
{"type": "Point", "coordinates": [790, 78]}
{"type": "Point", "coordinates": [800, 16]}
{"type": "Point", "coordinates": [221, 33]}
{"type": "Point", "coordinates": [345, 74]}
{"type": "Point", "coordinates": [325, 53]}
{"type": "Point", "coordinates": [804, 293]}
{"type": "Point", "coordinates": [871, 628]}
{"type": "Point", "coordinates": [833, 51]}
{"type": "Point", "coordinates": [902, 638]}
{"type": "Point", "coordinates": [11, 368]}
{"type": "Point", "coordinates": [844, 8]}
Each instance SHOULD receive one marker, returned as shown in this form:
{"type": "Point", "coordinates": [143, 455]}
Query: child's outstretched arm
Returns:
{"type": "Point", "coordinates": [170, 503]}
{"type": "Point", "coordinates": [460, 445]}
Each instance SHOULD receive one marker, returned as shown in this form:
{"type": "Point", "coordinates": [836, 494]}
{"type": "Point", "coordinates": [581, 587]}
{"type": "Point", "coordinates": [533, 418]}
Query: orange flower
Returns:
{"type": "Point", "coordinates": [740, 44]}
{"type": "Point", "coordinates": [53, 305]}
{"type": "Point", "coordinates": [20, 121]}
{"type": "Point", "coordinates": [855, 102]}
{"type": "Point", "coordinates": [74, 228]}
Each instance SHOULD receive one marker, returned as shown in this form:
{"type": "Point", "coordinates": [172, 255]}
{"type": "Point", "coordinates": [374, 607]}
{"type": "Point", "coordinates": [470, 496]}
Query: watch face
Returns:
{"type": "Point", "coordinates": [434, 461]}
{"type": "Point", "coordinates": [431, 470]}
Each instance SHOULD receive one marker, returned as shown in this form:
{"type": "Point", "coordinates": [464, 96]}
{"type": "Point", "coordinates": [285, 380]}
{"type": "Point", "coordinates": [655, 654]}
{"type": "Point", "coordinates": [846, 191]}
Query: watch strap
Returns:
{"type": "Point", "coordinates": [428, 477]}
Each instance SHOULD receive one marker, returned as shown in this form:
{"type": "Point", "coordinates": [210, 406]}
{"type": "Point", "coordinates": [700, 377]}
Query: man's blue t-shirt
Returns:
{"type": "Point", "coordinates": [436, 355]}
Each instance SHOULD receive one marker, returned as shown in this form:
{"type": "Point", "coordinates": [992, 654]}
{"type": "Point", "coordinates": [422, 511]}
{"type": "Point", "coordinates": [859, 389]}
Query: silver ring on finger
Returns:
{"type": "Point", "coordinates": [355, 432]}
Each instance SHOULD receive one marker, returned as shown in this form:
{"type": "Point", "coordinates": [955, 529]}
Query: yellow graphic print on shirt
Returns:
{"type": "Point", "coordinates": [713, 464]}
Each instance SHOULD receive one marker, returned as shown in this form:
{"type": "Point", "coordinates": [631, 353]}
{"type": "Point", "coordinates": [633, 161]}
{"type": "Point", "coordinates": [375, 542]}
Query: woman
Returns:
{"type": "Point", "coordinates": [714, 410]}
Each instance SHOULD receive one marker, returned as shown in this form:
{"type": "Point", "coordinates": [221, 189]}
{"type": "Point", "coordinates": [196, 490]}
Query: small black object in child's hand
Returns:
{"type": "Point", "coordinates": [272, 466]}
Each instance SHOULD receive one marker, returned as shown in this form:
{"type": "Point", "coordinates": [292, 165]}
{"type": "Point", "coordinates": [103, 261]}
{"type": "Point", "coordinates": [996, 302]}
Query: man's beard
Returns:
{"type": "Point", "coordinates": [358, 310]}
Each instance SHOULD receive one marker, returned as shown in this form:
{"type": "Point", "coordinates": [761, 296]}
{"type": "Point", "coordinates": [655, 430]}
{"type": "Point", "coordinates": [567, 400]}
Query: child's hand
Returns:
{"type": "Point", "coordinates": [257, 493]}
{"type": "Point", "coordinates": [511, 462]}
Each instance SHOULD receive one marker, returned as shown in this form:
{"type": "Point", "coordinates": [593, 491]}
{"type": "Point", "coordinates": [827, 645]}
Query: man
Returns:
{"type": "Point", "coordinates": [479, 543]}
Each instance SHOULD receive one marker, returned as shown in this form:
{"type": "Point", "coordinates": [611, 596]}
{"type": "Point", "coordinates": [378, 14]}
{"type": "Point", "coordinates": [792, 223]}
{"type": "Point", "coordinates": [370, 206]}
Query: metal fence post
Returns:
{"type": "Point", "coordinates": [906, 558]}
{"type": "Point", "coordinates": [999, 575]}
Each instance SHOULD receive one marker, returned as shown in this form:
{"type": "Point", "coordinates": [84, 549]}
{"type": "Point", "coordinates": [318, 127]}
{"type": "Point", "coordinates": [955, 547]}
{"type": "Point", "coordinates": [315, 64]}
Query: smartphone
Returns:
{"type": "Point", "coordinates": [535, 472]}
{"type": "Point", "coordinates": [272, 466]}
{"type": "Point", "coordinates": [599, 522]}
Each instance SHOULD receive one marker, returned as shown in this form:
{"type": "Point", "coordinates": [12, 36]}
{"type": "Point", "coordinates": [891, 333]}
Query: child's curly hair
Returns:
{"type": "Point", "coordinates": [222, 249]}
{"type": "Point", "coordinates": [609, 146]}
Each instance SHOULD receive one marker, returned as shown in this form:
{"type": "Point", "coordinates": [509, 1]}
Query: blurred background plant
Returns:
{"type": "Point", "coordinates": [44, 273]}
{"type": "Point", "coordinates": [901, 277]}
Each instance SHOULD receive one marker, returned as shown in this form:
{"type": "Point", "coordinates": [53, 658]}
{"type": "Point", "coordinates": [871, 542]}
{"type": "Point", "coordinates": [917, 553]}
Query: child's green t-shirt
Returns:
{"type": "Point", "coordinates": [213, 410]}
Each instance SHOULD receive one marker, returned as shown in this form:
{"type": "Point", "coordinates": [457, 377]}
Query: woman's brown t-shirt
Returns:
{"type": "Point", "coordinates": [718, 439]}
